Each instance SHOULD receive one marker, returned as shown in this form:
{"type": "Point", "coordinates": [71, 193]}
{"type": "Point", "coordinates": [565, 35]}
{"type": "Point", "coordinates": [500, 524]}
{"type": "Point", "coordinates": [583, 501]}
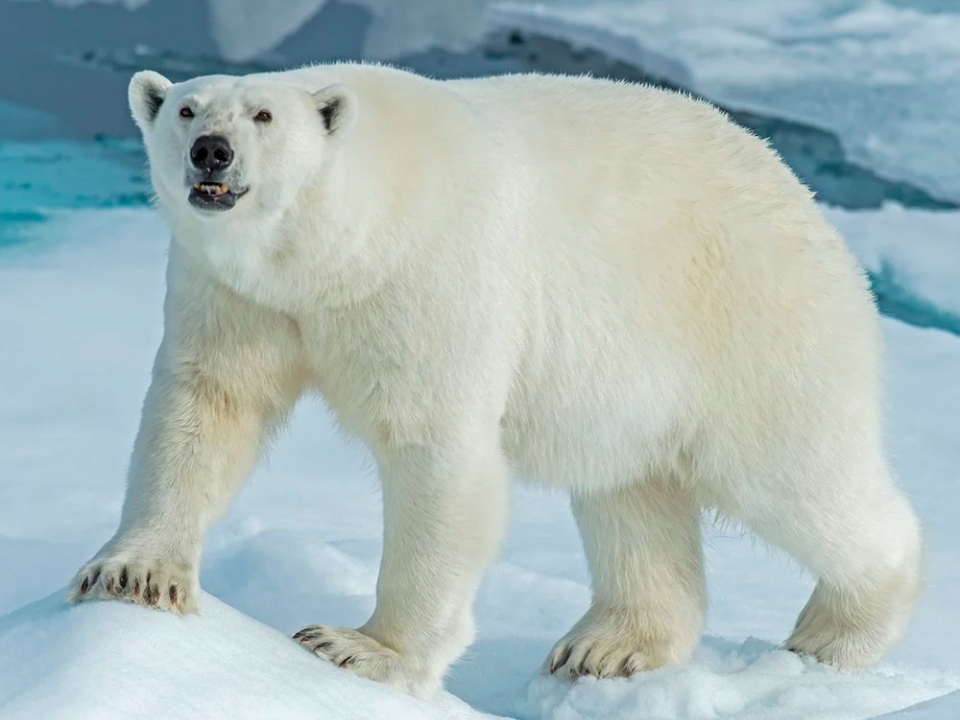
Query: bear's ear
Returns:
{"type": "Point", "coordinates": [337, 105]}
{"type": "Point", "coordinates": [146, 94]}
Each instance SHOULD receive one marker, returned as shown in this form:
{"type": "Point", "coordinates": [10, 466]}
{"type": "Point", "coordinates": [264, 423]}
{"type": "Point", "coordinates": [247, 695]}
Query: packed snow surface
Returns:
{"type": "Point", "coordinates": [108, 660]}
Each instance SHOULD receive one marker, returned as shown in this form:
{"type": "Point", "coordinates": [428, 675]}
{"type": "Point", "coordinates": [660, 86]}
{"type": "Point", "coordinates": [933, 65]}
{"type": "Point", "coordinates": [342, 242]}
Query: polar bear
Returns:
{"type": "Point", "coordinates": [599, 286]}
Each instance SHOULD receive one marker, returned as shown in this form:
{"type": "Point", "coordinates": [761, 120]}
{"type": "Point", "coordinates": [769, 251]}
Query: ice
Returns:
{"type": "Point", "coordinates": [80, 313]}
{"type": "Point", "coordinates": [913, 257]}
{"type": "Point", "coordinates": [37, 176]}
{"type": "Point", "coordinates": [400, 28]}
{"type": "Point", "coordinates": [246, 29]}
{"type": "Point", "coordinates": [881, 74]}
{"type": "Point", "coordinates": [21, 122]}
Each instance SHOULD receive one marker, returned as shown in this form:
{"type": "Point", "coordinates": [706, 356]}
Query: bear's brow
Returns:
{"type": "Point", "coordinates": [254, 105]}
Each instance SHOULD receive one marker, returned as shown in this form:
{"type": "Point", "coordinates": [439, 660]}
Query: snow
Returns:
{"type": "Point", "coordinates": [941, 708]}
{"type": "Point", "coordinates": [245, 29]}
{"type": "Point", "coordinates": [882, 74]}
{"type": "Point", "coordinates": [400, 28]}
{"type": "Point", "coordinates": [110, 660]}
{"type": "Point", "coordinates": [749, 681]}
{"type": "Point", "coordinates": [222, 663]}
{"type": "Point", "coordinates": [913, 257]}
{"type": "Point", "coordinates": [80, 307]}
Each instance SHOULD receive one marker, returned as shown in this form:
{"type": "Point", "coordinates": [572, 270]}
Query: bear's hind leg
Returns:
{"type": "Point", "coordinates": [642, 543]}
{"type": "Point", "coordinates": [861, 539]}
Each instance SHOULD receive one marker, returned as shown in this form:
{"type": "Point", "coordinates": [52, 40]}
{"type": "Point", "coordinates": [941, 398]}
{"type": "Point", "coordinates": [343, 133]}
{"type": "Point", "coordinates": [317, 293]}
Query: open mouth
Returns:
{"type": "Point", "coordinates": [214, 196]}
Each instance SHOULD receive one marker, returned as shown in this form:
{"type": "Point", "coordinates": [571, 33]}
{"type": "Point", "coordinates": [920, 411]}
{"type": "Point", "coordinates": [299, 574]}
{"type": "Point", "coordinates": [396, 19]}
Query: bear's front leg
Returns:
{"type": "Point", "coordinates": [197, 441]}
{"type": "Point", "coordinates": [174, 486]}
{"type": "Point", "coordinates": [226, 373]}
{"type": "Point", "coordinates": [445, 510]}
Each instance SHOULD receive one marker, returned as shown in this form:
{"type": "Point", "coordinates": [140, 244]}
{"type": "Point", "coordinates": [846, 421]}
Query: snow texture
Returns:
{"type": "Point", "coordinates": [80, 307]}
{"type": "Point", "coordinates": [942, 708]}
{"type": "Point", "coordinates": [116, 661]}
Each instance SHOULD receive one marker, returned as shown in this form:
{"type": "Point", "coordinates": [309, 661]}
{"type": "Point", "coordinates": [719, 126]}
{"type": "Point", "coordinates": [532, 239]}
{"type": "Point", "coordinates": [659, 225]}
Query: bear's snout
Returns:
{"type": "Point", "coordinates": [211, 153]}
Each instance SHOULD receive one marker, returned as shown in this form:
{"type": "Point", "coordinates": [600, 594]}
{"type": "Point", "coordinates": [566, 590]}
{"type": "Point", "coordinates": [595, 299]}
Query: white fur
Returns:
{"type": "Point", "coordinates": [603, 287]}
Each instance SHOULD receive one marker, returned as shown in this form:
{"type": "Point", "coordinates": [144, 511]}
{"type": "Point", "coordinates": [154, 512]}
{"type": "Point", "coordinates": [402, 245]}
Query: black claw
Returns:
{"type": "Point", "coordinates": [84, 586]}
{"type": "Point", "coordinates": [560, 661]}
{"type": "Point", "coordinates": [136, 587]}
{"type": "Point", "coordinates": [349, 660]}
{"type": "Point", "coordinates": [173, 594]}
{"type": "Point", "coordinates": [154, 594]}
{"type": "Point", "coordinates": [122, 582]}
{"type": "Point", "coordinates": [322, 645]}
{"type": "Point", "coordinates": [307, 633]}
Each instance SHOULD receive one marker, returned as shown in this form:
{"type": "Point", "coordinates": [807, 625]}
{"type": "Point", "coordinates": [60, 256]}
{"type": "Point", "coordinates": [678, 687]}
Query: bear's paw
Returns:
{"type": "Point", "coordinates": [366, 657]}
{"type": "Point", "coordinates": [158, 583]}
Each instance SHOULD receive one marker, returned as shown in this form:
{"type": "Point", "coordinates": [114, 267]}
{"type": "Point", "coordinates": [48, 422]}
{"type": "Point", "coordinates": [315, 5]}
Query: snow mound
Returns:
{"type": "Point", "coordinates": [114, 660]}
{"type": "Point", "coordinates": [749, 681]}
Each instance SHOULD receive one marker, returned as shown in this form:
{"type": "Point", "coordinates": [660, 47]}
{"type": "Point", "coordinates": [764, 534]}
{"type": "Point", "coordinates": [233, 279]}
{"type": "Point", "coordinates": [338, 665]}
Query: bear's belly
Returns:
{"type": "Point", "coordinates": [598, 428]}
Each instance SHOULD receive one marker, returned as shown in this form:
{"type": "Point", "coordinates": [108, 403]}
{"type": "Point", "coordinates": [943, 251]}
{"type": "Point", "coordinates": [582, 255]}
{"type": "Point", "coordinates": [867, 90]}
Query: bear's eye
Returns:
{"type": "Point", "coordinates": [263, 116]}
{"type": "Point", "coordinates": [186, 112]}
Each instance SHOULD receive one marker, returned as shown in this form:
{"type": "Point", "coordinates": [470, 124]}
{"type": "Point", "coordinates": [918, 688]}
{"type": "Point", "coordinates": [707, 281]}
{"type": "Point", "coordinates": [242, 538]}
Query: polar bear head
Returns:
{"type": "Point", "coordinates": [223, 147]}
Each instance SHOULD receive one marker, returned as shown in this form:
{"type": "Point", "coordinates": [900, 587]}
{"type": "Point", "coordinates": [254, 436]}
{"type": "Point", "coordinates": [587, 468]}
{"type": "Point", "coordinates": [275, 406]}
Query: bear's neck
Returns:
{"type": "Point", "coordinates": [318, 253]}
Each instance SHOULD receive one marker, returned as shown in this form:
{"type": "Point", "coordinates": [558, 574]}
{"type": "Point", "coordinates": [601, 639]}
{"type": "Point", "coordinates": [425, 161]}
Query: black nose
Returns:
{"type": "Point", "coordinates": [211, 152]}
